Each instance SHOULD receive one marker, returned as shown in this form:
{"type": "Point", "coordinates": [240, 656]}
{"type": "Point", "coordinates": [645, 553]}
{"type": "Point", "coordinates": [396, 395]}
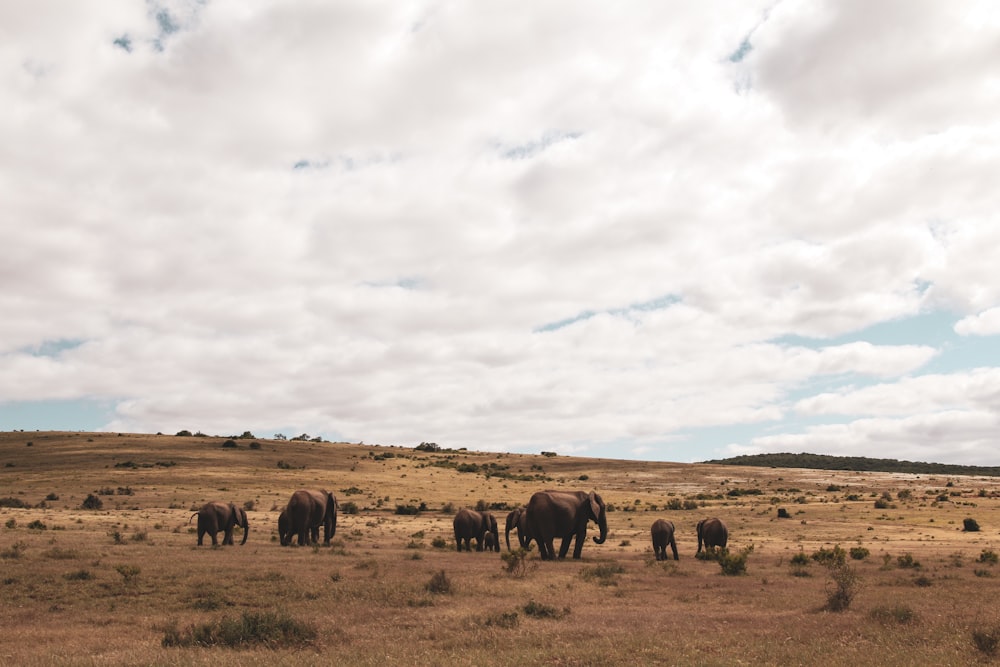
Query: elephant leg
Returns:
{"type": "Point", "coordinates": [673, 547]}
{"type": "Point", "coordinates": [201, 536]}
{"type": "Point", "coordinates": [215, 539]}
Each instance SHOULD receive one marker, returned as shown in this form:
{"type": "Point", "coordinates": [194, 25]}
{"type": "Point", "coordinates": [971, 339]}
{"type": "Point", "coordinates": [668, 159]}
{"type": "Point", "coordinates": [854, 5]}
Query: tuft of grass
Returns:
{"type": "Point", "coordinates": [79, 575]}
{"type": "Point", "coordinates": [900, 613]}
{"type": "Point", "coordinates": [988, 557]}
{"type": "Point", "coordinates": [859, 553]}
{"type": "Point", "coordinates": [130, 573]}
{"type": "Point", "coordinates": [986, 640]}
{"type": "Point", "coordinates": [14, 551]}
{"type": "Point", "coordinates": [439, 583]}
{"type": "Point", "coordinates": [269, 629]}
{"type": "Point", "coordinates": [907, 561]}
{"type": "Point", "coordinates": [501, 619]}
{"type": "Point", "coordinates": [605, 574]}
{"type": "Point", "coordinates": [37, 524]}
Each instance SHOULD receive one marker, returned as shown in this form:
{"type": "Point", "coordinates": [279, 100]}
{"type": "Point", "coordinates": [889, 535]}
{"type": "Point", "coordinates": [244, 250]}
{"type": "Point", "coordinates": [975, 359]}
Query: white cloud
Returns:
{"type": "Point", "coordinates": [469, 176]}
{"type": "Point", "coordinates": [986, 323]}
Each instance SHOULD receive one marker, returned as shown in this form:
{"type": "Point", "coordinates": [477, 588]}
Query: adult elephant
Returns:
{"type": "Point", "coordinates": [306, 511]}
{"type": "Point", "coordinates": [518, 518]}
{"type": "Point", "coordinates": [712, 533]}
{"type": "Point", "coordinates": [472, 525]}
{"type": "Point", "coordinates": [217, 516]}
{"type": "Point", "coordinates": [662, 532]}
{"type": "Point", "coordinates": [285, 532]}
{"type": "Point", "coordinates": [565, 514]}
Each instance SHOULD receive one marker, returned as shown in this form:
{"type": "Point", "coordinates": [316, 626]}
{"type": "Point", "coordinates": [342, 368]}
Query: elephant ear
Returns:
{"type": "Point", "coordinates": [595, 505]}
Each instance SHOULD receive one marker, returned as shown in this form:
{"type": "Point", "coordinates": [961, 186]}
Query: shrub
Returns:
{"type": "Point", "coordinates": [439, 583]}
{"type": "Point", "coordinates": [733, 564]}
{"type": "Point", "coordinates": [516, 562]}
{"type": "Point", "coordinates": [130, 573]}
{"type": "Point", "coordinates": [407, 509]}
{"type": "Point", "coordinates": [184, 433]}
{"type": "Point", "coordinates": [79, 575]}
{"type": "Point", "coordinates": [783, 513]}
{"type": "Point", "coordinates": [92, 502]}
{"type": "Point", "coordinates": [503, 619]}
{"type": "Point", "coordinates": [970, 525]}
{"type": "Point", "coordinates": [11, 501]}
{"type": "Point", "coordinates": [230, 444]}
{"type": "Point", "coordinates": [859, 553]}
{"type": "Point", "coordinates": [539, 610]}
{"type": "Point", "coordinates": [439, 543]}
{"type": "Point", "coordinates": [907, 561]}
{"type": "Point", "coordinates": [37, 525]}
{"type": "Point", "coordinates": [254, 445]}
{"type": "Point", "coordinates": [845, 587]}
{"type": "Point", "coordinates": [350, 507]}
{"type": "Point", "coordinates": [270, 629]}
{"type": "Point", "coordinates": [11, 523]}
{"type": "Point", "coordinates": [800, 559]}
{"type": "Point", "coordinates": [828, 557]}
{"type": "Point", "coordinates": [988, 556]}
{"type": "Point", "coordinates": [52, 496]}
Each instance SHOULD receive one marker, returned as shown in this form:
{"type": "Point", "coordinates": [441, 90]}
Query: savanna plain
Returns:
{"type": "Point", "coordinates": [99, 563]}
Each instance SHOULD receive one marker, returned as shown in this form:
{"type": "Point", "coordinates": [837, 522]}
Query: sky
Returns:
{"type": "Point", "coordinates": [663, 231]}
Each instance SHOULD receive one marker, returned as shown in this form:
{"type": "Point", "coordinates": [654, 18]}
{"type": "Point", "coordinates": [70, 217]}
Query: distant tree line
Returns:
{"type": "Point", "coordinates": [855, 463]}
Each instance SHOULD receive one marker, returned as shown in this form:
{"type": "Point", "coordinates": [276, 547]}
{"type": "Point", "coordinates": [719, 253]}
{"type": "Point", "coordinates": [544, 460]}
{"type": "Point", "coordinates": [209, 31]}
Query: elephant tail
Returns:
{"type": "Point", "coordinates": [193, 516]}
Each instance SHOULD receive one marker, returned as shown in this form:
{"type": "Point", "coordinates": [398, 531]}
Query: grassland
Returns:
{"type": "Point", "coordinates": [108, 586]}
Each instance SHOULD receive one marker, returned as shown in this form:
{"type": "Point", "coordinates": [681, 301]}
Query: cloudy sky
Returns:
{"type": "Point", "coordinates": [664, 231]}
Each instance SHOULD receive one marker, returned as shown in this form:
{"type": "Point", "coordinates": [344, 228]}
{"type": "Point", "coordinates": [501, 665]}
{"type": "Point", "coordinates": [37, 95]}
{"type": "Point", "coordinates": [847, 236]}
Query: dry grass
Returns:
{"type": "Point", "coordinates": [108, 586]}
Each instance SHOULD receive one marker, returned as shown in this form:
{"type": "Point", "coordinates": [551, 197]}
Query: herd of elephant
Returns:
{"type": "Point", "coordinates": [548, 515]}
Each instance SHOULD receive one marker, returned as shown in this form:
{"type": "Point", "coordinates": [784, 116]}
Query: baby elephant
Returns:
{"type": "Point", "coordinates": [663, 534]}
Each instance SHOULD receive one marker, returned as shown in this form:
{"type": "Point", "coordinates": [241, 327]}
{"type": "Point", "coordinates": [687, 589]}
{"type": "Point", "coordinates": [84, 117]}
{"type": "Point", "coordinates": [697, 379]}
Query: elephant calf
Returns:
{"type": "Point", "coordinates": [663, 534]}
{"type": "Point", "coordinates": [215, 517]}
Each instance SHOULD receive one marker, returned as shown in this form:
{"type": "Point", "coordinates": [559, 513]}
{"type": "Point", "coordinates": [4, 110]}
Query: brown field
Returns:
{"type": "Point", "coordinates": [105, 587]}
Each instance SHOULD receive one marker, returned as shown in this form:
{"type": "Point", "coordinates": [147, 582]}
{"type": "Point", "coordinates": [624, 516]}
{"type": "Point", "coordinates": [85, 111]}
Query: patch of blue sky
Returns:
{"type": "Point", "coordinates": [742, 51]}
{"type": "Point", "coordinates": [56, 415]}
{"type": "Point", "coordinates": [659, 303]}
{"type": "Point", "coordinates": [53, 348]}
{"type": "Point", "coordinates": [935, 329]}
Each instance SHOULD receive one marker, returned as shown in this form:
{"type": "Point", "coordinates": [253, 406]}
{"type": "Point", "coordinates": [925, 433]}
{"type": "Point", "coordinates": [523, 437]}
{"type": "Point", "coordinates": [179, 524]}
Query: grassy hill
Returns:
{"type": "Point", "coordinates": [126, 583]}
{"type": "Point", "coordinates": [861, 463]}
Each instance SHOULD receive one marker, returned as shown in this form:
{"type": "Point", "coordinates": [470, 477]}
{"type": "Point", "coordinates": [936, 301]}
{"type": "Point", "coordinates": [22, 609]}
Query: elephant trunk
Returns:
{"type": "Point", "coordinates": [602, 522]}
{"type": "Point", "coordinates": [246, 530]}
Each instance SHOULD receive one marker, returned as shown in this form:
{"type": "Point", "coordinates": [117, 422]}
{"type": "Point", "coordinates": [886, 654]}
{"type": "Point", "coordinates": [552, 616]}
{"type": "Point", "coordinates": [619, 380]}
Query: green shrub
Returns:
{"type": "Point", "coordinates": [734, 563]}
{"type": "Point", "coordinates": [828, 557]}
{"type": "Point", "coordinates": [845, 587]}
{"type": "Point", "coordinates": [92, 502]}
{"type": "Point", "coordinates": [439, 543]}
{"type": "Point", "coordinates": [800, 559]}
{"type": "Point", "coordinates": [407, 509]}
{"type": "Point", "coordinates": [859, 553]}
{"type": "Point", "coordinates": [269, 629]}
{"type": "Point", "coordinates": [230, 444]}
{"type": "Point", "coordinates": [907, 561]}
{"type": "Point", "coordinates": [970, 525]}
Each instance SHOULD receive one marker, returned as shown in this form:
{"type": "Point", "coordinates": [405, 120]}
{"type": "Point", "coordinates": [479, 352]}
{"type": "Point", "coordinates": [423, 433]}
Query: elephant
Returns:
{"type": "Point", "coordinates": [490, 541]}
{"type": "Point", "coordinates": [306, 511]}
{"type": "Point", "coordinates": [565, 514]}
{"type": "Point", "coordinates": [470, 524]}
{"type": "Point", "coordinates": [713, 533]}
{"type": "Point", "coordinates": [518, 518]}
{"type": "Point", "coordinates": [216, 516]}
{"type": "Point", "coordinates": [285, 532]}
{"type": "Point", "coordinates": [662, 532]}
